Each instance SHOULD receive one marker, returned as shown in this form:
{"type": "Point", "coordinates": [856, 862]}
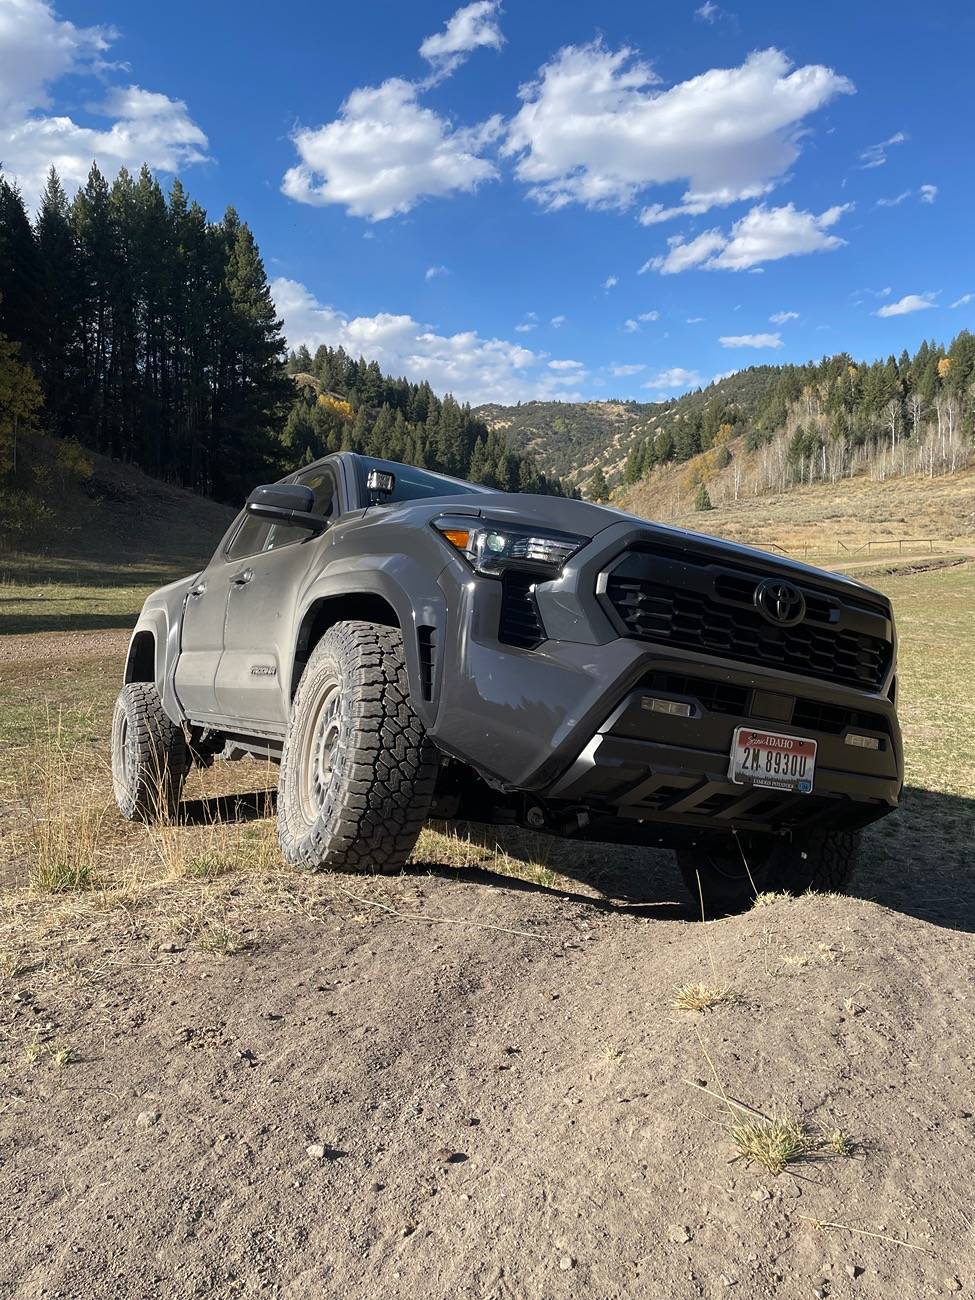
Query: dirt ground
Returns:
{"type": "Point", "coordinates": [370, 1104]}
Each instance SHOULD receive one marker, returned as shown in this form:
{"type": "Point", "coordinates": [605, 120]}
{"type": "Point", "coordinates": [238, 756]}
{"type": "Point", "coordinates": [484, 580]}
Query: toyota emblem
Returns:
{"type": "Point", "coordinates": [780, 602]}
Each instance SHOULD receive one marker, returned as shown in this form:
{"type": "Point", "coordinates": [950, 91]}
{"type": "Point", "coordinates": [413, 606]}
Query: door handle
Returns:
{"type": "Point", "coordinates": [198, 590]}
{"type": "Point", "coordinates": [243, 578]}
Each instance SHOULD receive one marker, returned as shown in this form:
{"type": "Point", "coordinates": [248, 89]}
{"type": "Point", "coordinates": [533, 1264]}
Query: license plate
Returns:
{"type": "Point", "coordinates": [776, 762]}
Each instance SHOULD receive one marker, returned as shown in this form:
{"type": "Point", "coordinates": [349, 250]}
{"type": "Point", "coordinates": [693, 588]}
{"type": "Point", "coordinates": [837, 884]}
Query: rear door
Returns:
{"type": "Point", "coordinates": [204, 615]}
{"type": "Point", "coordinates": [259, 631]}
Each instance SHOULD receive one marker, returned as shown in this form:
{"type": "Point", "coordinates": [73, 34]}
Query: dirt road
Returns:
{"type": "Point", "coordinates": [361, 1105]}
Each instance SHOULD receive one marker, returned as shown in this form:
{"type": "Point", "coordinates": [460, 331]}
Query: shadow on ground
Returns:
{"type": "Point", "coordinates": [920, 861]}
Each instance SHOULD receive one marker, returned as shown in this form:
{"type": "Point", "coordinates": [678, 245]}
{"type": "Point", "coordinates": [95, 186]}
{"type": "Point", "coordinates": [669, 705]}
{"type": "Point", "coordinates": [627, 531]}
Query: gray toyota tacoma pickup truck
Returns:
{"type": "Point", "coordinates": [406, 645]}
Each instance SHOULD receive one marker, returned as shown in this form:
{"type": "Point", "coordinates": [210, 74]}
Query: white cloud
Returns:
{"type": "Point", "coordinates": [471, 27]}
{"type": "Point", "coordinates": [528, 324]}
{"type": "Point", "coordinates": [622, 371]}
{"type": "Point", "coordinates": [694, 320]}
{"type": "Point", "coordinates": [385, 152]}
{"type": "Point", "coordinates": [926, 194]}
{"type": "Point", "coordinates": [557, 322]}
{"type": "Point", "coordinates": [565, 365]}
{"type": "Point", "coordinates": [762, 235]}
{"type": "Point", "coordinates": [896, 201]}
{"type": "Point", "coordinates": [434, 272]}
{"type": "Point", "coordinates": [875, 155]}
{"type": "Point", "coordinates": [595, 128]}
{"type": "Point", "coordinates": [474, 368]}
{"type": "Point", "coordinates": [37, 48]}
{"type": "Point", "coordinates": [648, 316]}
{"type": "Point", "coordinates": [964, 300]}
{"type": "Point", "coordinates": [783, 317]}
{"type": "Point", "coordinates": [708, 12]}
{"type": "Point", "coordinates": [910, 302]}
{"type": "Point", "coordinates": [683, 256]}
{"type": "Point", "coordinates": [675, 378]}
{"type": "Point", "coordinates": [630, 326]}
{"type": "Point", "coordinates": [610, 282]}
{"type": "Point", "coordinates": [751, 340]}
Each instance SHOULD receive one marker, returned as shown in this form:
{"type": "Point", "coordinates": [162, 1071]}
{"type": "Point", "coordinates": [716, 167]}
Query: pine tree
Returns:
{"type": "Point", "coordinates": [598, 488]}
{"type": "Point", "coordinates": [57, 360]}
{"type": "Point", "coordinates": [703, 499]}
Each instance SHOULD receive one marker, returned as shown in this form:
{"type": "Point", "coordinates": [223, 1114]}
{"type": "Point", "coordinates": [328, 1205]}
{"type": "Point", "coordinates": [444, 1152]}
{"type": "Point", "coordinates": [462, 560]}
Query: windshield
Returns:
{"type": "Point", "coordinates": [414, 484]}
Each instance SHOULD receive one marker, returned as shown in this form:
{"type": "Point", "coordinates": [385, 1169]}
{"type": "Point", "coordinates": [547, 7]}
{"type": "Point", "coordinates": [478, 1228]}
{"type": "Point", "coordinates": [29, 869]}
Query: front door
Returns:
{"type": "Point", "coordinates": [259, 633]}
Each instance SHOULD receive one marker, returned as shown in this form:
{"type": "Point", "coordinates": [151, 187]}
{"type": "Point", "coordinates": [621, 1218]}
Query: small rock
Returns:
{"type": "Point", "coordinates": [170, 947]}
{"type": "Point", "coordinates": [408, 1229]}
{"type": "Point", "coordinates": [316, 1151]}
{"type": "Point", "coordinates": [146, 1118]}
{"type": "Point", "coordinates": [566, 1262]}
{"type": "Point", "coordinates": [853, 1270]}
{"type": "Point", "coordinates": [761, 1194]}
{"type": "Point", "coordinates": [678, 1234]}
{"type": "Point", "coordinates": [952, 1283]}
{"type": "Point", "coordinates": [725, 1280]}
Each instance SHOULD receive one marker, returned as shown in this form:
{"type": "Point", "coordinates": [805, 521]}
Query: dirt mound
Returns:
{"type": "Point", "coordinates": [363, 1103]}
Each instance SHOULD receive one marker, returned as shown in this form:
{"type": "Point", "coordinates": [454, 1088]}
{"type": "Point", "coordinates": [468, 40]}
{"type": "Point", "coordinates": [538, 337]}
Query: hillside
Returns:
{"type": "Point", "coordinates": [97, 523]}
{"type": "Point", "coordinates": [852, 520]}
{"type": "Point", "coordinates": [571, 439]}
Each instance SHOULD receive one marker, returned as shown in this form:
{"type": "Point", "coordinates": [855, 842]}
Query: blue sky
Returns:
{"type": "Point", "coordinates": [541, 199]}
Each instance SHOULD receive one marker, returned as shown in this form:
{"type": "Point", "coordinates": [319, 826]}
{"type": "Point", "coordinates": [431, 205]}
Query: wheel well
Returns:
{"type": "Point", "coordinates": [141, 663]}
{"type": "Point", "coordinates": [325, 613]}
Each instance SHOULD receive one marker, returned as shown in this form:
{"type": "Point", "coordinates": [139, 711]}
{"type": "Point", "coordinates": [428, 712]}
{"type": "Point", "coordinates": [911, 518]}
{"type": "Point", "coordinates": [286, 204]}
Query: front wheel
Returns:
{"type": "Point", "coordinates": [357, 771]}
{"type": "Point", "coordinates": [729, 872]}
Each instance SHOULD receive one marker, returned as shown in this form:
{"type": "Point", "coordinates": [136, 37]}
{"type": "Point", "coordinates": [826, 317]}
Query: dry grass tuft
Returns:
{"type": "Point", "coordinates": [224, 940]}
{"type": "Point", "coordinates": [65, 810]}
{"type": "Point", "coordinates": [700, 996]}
{"type": "Point", "coordinates": [772, 1143]}
{"type": "Point", "coordinates": [771, 898]}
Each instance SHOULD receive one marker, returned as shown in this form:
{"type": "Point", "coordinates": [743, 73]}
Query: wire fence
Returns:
{"type": "Point", "coordinates": [875, 546]}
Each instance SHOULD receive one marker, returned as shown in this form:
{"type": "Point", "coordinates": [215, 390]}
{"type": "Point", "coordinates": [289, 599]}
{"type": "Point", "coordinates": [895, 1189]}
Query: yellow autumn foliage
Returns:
{"type": "Point", "coordinates": [337, 404]}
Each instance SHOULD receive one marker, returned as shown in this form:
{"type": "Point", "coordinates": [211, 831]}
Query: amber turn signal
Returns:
{"type": "Point", "coordinates": [458, 537]}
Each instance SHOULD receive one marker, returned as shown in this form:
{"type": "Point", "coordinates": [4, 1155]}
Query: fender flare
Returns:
{"type": "Point", "coordinates": [159, 623]}
{"type": "Point", "coordinates": [413, 595]}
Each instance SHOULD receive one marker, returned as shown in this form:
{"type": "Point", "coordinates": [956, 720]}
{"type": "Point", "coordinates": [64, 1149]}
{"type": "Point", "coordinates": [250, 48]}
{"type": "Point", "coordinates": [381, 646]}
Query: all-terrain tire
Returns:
{"type": "Point", "coordinates": [358, 771]}
{"type": "Point", "coordinates": [150, 757]}
{"type": "Point", "coordinates": [734, 870]}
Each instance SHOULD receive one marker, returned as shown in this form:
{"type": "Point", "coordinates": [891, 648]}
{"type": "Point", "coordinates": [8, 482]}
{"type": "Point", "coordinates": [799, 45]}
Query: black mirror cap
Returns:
{"type": "Point", "coordinates": [282, 496]}
{"type": "Point", "coordinates": [286, 503]}
{"type": "Point", "coordinates": [380, 482]}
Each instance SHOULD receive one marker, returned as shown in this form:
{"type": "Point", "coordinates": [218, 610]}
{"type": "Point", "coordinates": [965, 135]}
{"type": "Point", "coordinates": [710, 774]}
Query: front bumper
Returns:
{"type": "Point", "coordinates": [566, 723]}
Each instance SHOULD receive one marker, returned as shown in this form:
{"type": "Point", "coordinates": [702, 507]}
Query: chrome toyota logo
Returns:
{"type": "Point", "coordinates": [780, 602]}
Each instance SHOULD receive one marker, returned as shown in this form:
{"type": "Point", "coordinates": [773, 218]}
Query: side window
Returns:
{"type": "Point", "coordinates": [249, 538]}
{"type": "Point", "coordinates": [322, 483]}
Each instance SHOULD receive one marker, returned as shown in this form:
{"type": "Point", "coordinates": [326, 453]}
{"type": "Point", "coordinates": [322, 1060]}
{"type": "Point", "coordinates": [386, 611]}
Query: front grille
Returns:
{"type": "Point", "coordinates": [520, 624]}
{"type": "Point", "coordinates": [709, 607]}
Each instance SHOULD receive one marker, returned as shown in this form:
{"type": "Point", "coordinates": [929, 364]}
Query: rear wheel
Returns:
{"type": "Point", "coordinates": [357, 771]}
{"type": "Point", "coordinates": [150, 757]}
{"type": "Point", "coordinates": [730, 871]}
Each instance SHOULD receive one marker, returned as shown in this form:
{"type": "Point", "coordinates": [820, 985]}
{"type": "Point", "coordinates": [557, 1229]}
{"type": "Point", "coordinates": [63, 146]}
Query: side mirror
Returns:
{"type": "Point", "coordinates": [380, 483]}
{"type": "Point", "coordinates": [286, 503]}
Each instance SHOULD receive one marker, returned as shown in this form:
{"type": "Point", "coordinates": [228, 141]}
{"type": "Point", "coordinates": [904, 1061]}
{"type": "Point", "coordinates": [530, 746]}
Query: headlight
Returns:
{"type": "Point", "coordinates": [491, 547]}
